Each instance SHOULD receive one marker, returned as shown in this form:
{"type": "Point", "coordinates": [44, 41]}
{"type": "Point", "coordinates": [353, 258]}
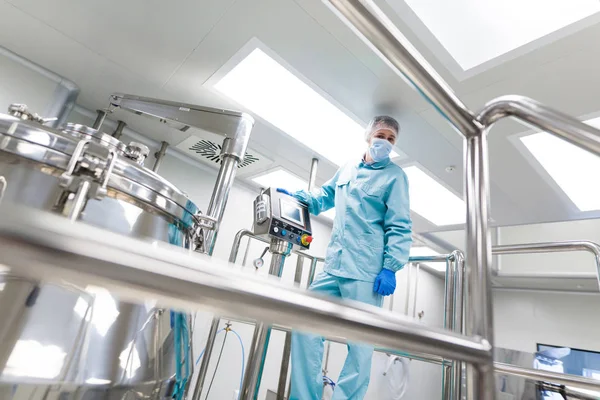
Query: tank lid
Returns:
{"type": "Point", "coordinates": [79, 130]}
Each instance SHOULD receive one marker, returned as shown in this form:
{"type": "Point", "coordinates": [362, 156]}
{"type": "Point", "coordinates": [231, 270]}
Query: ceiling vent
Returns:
{"type": "Point", "coordinates": [207, 148]}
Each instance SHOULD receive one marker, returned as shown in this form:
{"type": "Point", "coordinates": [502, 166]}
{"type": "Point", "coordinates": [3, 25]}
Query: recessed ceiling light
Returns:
{"type": "Point", "coordinates": [421, 251]}
{"type": "Point", "coordinates": [272, 92]}
{"type": "Point", "coordinates": [432, 201]}
{"type": "Point", "coordinates": [483, 30]}
{"type": "Point", "coordinates": [573, 169]}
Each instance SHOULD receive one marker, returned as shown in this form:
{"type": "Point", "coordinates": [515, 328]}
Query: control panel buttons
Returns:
{"type": "Point", "coordinates": [283, 232]}
{"type": "Point", "coordinates": [306, 239]}
{"type": "Point", "coordinates": [276, 229]}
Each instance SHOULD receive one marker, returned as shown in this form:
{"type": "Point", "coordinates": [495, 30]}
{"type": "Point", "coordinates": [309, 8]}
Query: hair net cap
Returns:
{"type": "Point", "coordinates": [381, 122]}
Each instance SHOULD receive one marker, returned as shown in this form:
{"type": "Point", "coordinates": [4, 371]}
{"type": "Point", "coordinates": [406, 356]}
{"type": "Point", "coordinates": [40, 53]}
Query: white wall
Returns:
{"type": "Point", "coordinates": [524, 318]}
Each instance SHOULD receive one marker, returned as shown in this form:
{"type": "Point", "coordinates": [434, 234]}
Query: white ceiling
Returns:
{"type": "Point", "coordinates": [172, 50]}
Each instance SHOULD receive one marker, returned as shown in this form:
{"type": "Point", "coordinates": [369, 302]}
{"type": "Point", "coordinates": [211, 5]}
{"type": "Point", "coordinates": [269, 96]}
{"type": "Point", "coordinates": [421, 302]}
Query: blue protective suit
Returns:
{"type": "Point", "coordinates": [372, 230]}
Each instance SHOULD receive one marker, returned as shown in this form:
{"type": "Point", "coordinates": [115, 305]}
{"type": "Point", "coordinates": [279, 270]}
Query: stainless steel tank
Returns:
{"type": "Point", "coordinates": [74, 343]}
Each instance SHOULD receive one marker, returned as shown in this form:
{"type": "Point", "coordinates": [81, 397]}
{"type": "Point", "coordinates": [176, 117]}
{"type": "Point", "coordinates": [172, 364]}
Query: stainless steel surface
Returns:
{"type": "Point", "coordinates": [417, 270]}
{"type": "Point", "coordinates": [370, 23]}
{"type": "Point", "coordinates": [458, 265]}
{"type": "Point", "coordinates": [159, 156]}
{"type": "Point", "coordinates": [256, 354]}
{"type": "Point", "coordinates": [552, 247]}
{"type": "Point", "coordinates": [3, 185]}
{"type": "Point", "coordinates": [99, 119]}
{"type": "Point", "coordinates": [297, 272]}
{"type": "Point", "coordinates": [64, 96]}
{"type": "Point", "coordinates": [284, 368]}
{"type": "Point", "coordinates": [118, 130]}
{"type": "Point", "coordinates": [480, 378]}
{"type": "Point", "coordinates": [208, 349]}
{"type": "Point", "coordinates": [408, 288]}
{"type": "Point", "coordinates": [52, 249]}
{"type": "Point", "coordinates": [220, 195]}
{"type": "Point", "coordinates": [548, 376]}
{"type": "Point", "coordinates": [231, 124]}
{"type": "Point", "coordinates": [449, 310]}
{"type": "Point", "coordinates": [312, 178]}
{"type": "Point", "coordinates": [542, 117]}
{"type": "Point", "coordinates": [137, 152]}
{"type": "Point", "coordinates": [313, 270]}
{"type": "Point", "coordinates": [104, 346]}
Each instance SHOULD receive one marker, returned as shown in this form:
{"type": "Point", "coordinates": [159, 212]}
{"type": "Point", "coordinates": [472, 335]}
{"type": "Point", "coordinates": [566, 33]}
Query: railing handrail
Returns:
{"type": "Point", "coordinates": [49, 248]}
{"type": "Point", "coordinates": [552, 247]}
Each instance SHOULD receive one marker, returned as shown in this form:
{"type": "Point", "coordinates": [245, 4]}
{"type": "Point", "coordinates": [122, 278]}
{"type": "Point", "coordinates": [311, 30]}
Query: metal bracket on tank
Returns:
{"type": "Point", "coordinates": [87, 175]}
{"type": "Point", "coordinates": [3, 185]}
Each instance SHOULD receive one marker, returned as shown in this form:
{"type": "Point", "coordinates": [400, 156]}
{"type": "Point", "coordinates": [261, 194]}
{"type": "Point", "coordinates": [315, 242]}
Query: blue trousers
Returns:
{"type": "Point", "coordinates": [307, 349]}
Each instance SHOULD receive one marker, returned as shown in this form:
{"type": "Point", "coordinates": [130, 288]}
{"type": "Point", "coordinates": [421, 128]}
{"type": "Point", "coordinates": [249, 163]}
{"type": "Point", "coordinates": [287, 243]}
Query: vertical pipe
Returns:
{"type": "Point", "coordinates": [298, 272]}
{"type": "Point", "coordinates": [312, 179]}
{"type": "Point", "coordinates": [3, 185]}
{"type": "Point", "coordinates": [408, 286]}
{"type": "Point", "coordinates": [449, 311]}
{"type": "Point", "coordinates": [79, 200]}
{"type": "Point", "coordinates": [459, 301]}
{"type": "Point", "coordinates": [258, 355]}
{"type": "Point", "coordinates": [311, 274]}
{"type": "Point", "coordinates": [480, 378]}
{"type": "Point", "coordinates": [417, 270]}
{"type": "Point", "coordinates": [119, 130]}
{"type": "Point", "coordinates": [63, 101]}
{"type": "Point", "coordinates": [99, 119]}
{"type": "Point", "coordinates": [218, 201]}
{"type": "Point", "coordinates": [159, 155]}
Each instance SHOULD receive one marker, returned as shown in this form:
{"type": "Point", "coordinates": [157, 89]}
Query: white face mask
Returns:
{"type": "Point", "coordinates": [380, 149]}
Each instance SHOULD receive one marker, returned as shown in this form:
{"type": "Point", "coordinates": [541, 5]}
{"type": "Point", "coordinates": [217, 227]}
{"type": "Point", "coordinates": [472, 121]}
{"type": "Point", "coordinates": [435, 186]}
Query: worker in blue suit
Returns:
{"type": "Point", "coordinates": [370, 242]}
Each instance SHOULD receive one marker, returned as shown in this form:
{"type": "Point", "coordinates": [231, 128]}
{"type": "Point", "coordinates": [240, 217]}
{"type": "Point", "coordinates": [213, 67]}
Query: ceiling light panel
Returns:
{"type": "Point", "coordinates": [573, 169]}
{"type": "Point", "coordinates": [480, 31]}
{"type": "Point", "coordinates": [432, 201]}
{"type": "Point", "coordinates": [272, 92]}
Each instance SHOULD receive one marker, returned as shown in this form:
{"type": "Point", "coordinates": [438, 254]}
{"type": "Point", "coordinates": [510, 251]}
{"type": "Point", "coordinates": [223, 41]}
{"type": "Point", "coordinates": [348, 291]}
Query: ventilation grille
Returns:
{"type": "Point", "coordinates": [208, 150]}
{"type": "Point", "coordinates": [211, 151]}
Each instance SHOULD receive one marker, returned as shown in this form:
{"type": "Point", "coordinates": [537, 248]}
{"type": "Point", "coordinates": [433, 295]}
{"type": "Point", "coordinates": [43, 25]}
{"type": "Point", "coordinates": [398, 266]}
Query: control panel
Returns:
{"type": "Point", "coordinates": [280, 216]}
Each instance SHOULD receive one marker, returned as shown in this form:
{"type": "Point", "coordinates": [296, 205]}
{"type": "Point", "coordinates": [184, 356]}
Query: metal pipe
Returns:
{"type": "Point", "coordinates": [298, 272]}
{"type": "Point", "coordinates": [51, 249]}
{"type": "Point", "coordinates": [449, 311]}
{"type": "Point", "coordinates": [370, 23]}
{"type": "Point", "coordinates": [548, 376]}
{"type": "Point", "coordinates": [64, 96]}
{"type": "Point", "coordinates": [3, 185]}
{"type": "Point", "coordinates": [119, 130]}
{"type": "Point", "coordinates": [480, 378]}
{"type": "Point", "coordinates": [99, 119]}
{"type": "Point", "coordinates": [312, 178]}
{"type": "Point", "coordinates": [313, 270]}
{"type": "Point", "coordinates": [159, 156]}
{"type": "Point", "coordinates": [408, 289]}
{"type": "Point", "coordinates": [256, 361]}
{"type": "Point", "coordinates": [458, 264]}
{"type": "Point", "coordinates": [553, 247]}
{"type": "Point", "coordinates": [252, 376]}
{"type": "Point", "coordinates": [543, 117]}
{"type": "Point", "coordinates": [79, 200]}
{"type": "Point", "coordinates": [218, 200]}
{"type": "Point", "coordinates": [417, 270]}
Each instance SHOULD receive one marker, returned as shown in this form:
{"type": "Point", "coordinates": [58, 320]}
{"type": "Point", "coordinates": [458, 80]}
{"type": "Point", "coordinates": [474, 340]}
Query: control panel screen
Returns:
{"type": "Point", "coordinates": [291, 212]}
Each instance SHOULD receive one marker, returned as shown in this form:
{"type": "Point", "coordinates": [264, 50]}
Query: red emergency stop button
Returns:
{"type": "Point", "coordinates": [306, 239]}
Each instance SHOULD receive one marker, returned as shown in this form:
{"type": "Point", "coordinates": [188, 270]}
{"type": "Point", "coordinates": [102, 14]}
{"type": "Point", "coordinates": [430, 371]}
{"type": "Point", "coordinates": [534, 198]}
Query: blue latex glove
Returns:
{"type": "Point", "coordinates": [385, 282]}
{"type": "Point", "coordinates": [280, 190]}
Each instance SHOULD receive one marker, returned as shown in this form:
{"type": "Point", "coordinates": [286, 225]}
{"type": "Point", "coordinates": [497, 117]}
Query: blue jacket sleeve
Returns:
{"type": "Point", "coordinates": [397, 225]}
{"type": "Point", "coordinates": [321, 199]}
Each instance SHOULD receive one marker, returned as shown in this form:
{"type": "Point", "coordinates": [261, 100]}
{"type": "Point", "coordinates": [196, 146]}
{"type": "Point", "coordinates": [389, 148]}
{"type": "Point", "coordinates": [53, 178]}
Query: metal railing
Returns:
{"type": "Point", "coordinates": [371, 24]}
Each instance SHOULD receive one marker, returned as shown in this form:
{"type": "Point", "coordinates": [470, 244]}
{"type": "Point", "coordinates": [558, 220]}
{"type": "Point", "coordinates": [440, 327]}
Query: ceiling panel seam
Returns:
{"type": "Point", "coordinates": [198, 44]}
